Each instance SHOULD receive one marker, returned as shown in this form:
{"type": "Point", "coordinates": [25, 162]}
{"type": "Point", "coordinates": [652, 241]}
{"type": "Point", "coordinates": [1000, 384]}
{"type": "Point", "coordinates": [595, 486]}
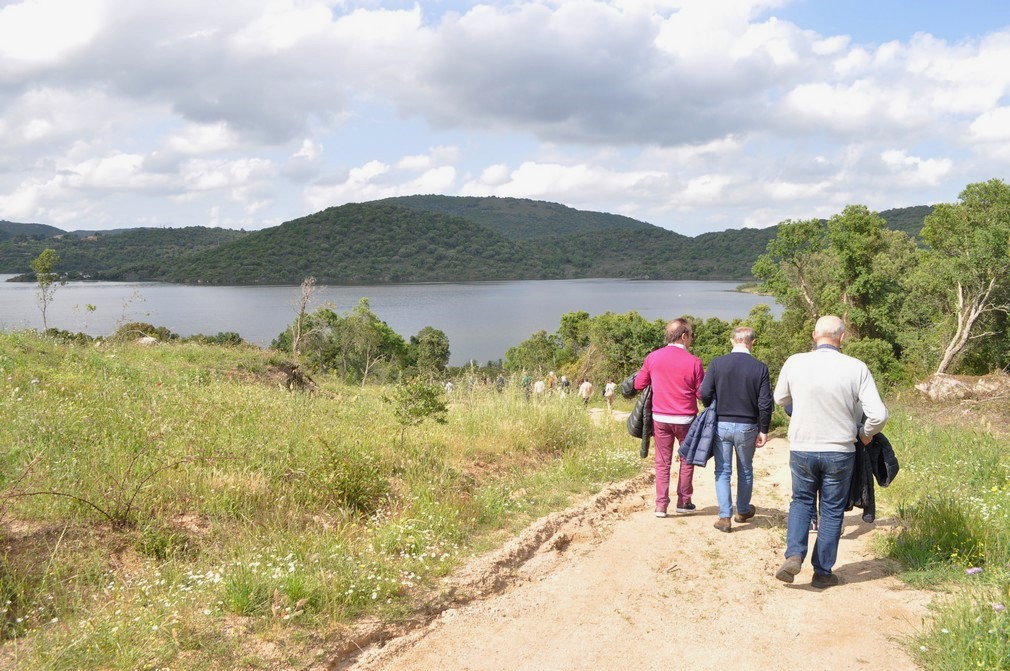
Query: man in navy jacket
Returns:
{"type": "Point", "coordinates": [742, 389]}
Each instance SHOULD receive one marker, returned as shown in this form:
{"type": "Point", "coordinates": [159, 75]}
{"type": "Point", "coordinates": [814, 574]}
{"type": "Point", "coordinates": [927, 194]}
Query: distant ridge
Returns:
{"type": "Point", "coordinates": [408, 239]}
{"type": "Point", "coordinates": [521, 218]}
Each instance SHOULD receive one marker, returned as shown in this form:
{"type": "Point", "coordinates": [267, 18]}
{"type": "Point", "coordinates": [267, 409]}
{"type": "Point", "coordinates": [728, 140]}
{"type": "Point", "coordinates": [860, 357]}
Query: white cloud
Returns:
{"type": "Point", "coordinates": [913, 170]}
{"type": "Point", "coordinates": [46, 31]}
{"type": "Point", "coordinates": [203, 139]}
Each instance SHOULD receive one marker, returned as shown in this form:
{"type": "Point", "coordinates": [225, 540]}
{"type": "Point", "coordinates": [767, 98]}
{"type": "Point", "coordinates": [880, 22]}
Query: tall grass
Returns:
{"type": "Point", "coordinates": [176, 506]}
{"type": "Point", "coordinates": [953, 498]}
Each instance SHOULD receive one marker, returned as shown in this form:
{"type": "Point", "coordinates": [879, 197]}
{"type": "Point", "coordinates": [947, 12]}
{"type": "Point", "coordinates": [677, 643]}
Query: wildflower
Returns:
{"type": "Point", "coordinates": [973, 570]}
{"type": "Point", "coordinates": [945, 630]}
{"type": "Point", "coordinates": [998, 607]}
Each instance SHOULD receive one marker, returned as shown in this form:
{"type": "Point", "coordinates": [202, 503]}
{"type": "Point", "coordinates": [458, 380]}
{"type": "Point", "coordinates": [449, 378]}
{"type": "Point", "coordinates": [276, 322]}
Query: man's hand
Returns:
{"type": "Point", "coordinates": [762, 439]}
{"type": "Point", "coordinates": [866, 440]}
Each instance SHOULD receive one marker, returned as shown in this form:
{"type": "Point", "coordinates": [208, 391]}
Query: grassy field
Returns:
{"type": "Point", "coordinates": [953, 497]}
{"type": "Point", "coordinates": [175, 506]}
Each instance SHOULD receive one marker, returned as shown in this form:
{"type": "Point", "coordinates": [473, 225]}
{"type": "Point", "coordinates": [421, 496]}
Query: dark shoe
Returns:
{"type": "Point", "coordinates": [723, 524]}
{"type": "Point", "coordinates": [824, 580]}
{"type": "Point", "coordinates": [740, 519]}
{"type": "Point", "coordinates": [687, 508]}
{"type": "Point", "coordinates": [789, 568]}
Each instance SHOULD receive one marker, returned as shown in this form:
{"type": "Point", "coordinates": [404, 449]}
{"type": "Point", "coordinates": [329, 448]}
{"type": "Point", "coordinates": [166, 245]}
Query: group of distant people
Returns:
{"type": "Point", "coordinates": [551, 384]}
{"type": "Point", "coordinates": [832, 401]}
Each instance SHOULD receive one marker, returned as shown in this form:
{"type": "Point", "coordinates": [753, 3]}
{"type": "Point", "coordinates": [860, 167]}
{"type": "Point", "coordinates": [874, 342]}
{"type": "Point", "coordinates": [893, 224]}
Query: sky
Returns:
{"type": "Point", "coordinates": [692, 115]}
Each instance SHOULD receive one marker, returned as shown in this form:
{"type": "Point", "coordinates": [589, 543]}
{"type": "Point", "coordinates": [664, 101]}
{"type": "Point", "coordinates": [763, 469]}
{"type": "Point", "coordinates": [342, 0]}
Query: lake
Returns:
{"type": "Point", "coordinates": [481, 319]}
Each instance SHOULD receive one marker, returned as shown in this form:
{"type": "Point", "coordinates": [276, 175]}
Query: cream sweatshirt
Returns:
{"type": "Point", "coordinates": [829, 393]}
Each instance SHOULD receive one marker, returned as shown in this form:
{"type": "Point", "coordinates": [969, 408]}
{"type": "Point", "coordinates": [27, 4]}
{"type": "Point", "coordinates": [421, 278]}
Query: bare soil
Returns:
{"type": "Point", "coordinates": [607, 585]}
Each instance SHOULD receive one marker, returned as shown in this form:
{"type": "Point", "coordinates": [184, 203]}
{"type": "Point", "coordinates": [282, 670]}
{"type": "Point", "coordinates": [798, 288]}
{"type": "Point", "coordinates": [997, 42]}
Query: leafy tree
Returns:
{"type": "Point", "coordinates": [415, 402]}
{"type": "Point", "coordinates": [791, 269]}
{"type": "Point", "coordinates": [44, 265]}
{"type": "Point", "coordinates": [622, 341]}
{"type": "Point", "coordinates": [355, 344]}
{"type": "Point", "coordinates": [966, 269]}
{"type": "Point", "coordinates": [540, 352]}
{"type": "Point", "coordinates": [574, 333]}
{"type": "Point", "coordinates": [431, 351]}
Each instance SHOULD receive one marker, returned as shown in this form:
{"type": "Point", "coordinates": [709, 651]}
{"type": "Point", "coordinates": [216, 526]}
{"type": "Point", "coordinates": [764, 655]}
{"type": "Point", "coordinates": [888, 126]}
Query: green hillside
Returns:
{"type": "Point", "coordinates": [520, 218]}
{"type": "Point", "coordinates": [409, 239]}
{"type": "Point", "coordinates": [907, 219]}
{"type": "Point", "coordinates": [10, 229]}
{"type": "Point", "coordinates": [138, 254]}
{"type": "Point", "coordinates": [363, 243]}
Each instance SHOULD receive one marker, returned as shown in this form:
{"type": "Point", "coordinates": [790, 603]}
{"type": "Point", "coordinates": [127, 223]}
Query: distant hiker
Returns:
{"type": "Point", "coordinates": [676, 376]}
{"type": "Point", "coordinates": [538, 387]}
{"type": "Point", "coordinates": [499, 383]}
{"type": "Point", "coordinates": [449, 387]}
{"type": "Point", "coordinates": [527, 384]}
{"type": "Point", "coordinates": [834, 401]}
{"type": "Point", "coordinates": [585, 391]}
{"type": "Point", "coordinates": [744, 412]}
{"type": "Point", "coordinates": [608, 393]}
{"type": "Point", "coordinates": [566, 385]}
{"type": "Point", "coordinates": [552, 382]}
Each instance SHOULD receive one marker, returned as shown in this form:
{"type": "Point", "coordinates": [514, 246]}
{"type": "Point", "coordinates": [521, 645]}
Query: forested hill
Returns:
{"type": "Point", "coordinates": [412, 239]}
{"type": "Point", "coordinates": [10, 229]}
{"type": "Point", "coordinates": [364, 243]}
{"type": "Point", "coordinates": [137, 254]}
{"type": "Point", "coordinates": [521, 218]}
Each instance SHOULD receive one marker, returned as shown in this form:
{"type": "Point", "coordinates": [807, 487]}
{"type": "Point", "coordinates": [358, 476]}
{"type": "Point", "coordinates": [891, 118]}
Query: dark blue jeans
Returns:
{"type": "Point", "coordinates": [827, 473]}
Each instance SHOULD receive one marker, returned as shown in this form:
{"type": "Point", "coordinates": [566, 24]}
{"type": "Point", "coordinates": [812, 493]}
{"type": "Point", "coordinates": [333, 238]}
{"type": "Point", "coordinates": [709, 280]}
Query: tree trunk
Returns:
{"type": "Point", "coordinates": [966, 316]}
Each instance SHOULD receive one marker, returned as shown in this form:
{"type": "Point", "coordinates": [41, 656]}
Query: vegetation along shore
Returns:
{"type": "Point", "coordinates": [201, 503]}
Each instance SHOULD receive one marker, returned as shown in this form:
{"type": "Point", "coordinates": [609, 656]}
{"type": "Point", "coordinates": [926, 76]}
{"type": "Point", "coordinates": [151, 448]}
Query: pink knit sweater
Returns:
{"type": "Point", "coordinates": [675, 375]}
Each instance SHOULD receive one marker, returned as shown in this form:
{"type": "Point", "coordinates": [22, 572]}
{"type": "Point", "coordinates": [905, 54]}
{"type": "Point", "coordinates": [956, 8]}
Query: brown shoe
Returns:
{"type": "Point", "coordinates": [723, 524]}
{"type": "Point", "coordinates": [824, 580]}
{"type": "Point", "coordinates": [789, 568]}
{"type": "Point", "coordinates": [740, 518]}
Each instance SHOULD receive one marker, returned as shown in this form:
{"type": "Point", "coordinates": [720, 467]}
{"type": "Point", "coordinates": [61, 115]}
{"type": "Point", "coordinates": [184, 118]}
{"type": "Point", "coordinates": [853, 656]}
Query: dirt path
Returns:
{"type": "Point", "coordinates": [607, 585]}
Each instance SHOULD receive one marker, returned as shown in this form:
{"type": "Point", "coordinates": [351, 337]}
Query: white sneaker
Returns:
{"type": "Point", "coordinates": [660, 513]}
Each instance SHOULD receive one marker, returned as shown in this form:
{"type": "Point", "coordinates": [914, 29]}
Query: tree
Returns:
{"type": "Point", "coordinates": [791, 269]}
{"type": "Point", "coordinates": [415, 402]}
{"type": "Point", "coordinates": [431, 349]}
{"type": "Point", "coordinates": [540, 352]}
{"type": "Point", "coordinates": [966, 268]}
{"type": "Point", "coordinates": [44, 265]}
{"type": "Point", "coordinates": [308, 288]}
{"type": "Point", "coordinates": [356, 344]}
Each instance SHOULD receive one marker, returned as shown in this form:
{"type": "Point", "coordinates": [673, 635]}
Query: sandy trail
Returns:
{"type": "Point", "coordinates": [609, 586]}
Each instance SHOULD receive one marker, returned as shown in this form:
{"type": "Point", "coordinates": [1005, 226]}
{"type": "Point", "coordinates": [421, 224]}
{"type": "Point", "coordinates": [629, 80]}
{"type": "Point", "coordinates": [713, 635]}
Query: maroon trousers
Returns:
{"type": "Point", "coordinates": [665, 434]}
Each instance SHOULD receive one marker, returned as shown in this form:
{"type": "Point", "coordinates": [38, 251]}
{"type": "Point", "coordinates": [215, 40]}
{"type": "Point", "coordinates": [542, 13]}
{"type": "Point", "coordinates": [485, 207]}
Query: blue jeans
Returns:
{"type": "Point", "coordinates": [740, 438]}
{"type": "Point", "coordinates": [829, 473]}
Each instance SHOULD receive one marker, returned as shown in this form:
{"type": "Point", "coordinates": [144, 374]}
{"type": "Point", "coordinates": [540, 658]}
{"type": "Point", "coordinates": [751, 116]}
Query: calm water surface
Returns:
{"type": "Point", "coordinates": [481, 319]}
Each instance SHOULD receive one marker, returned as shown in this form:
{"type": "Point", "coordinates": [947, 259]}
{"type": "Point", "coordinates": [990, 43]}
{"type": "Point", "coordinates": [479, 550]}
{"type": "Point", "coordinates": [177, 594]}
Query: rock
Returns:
{"type": "Point", "coordinates": [146, 340]}
{"type": "Point", "coordinates": [943, 387]}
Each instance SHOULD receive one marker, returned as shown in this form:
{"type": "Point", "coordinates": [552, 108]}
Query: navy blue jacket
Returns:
{"type": "Point", "coordinates": [743, 387]}
{"type": "Point", "coordinates": [699, 442]}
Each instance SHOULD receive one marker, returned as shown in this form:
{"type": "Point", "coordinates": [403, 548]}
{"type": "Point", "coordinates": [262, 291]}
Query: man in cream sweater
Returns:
{"type": "Point", "coordinates": [834, 401]}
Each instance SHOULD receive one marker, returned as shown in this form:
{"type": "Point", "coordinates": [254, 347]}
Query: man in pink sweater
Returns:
{"type": "Point", "coordinates": [675, 375]}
